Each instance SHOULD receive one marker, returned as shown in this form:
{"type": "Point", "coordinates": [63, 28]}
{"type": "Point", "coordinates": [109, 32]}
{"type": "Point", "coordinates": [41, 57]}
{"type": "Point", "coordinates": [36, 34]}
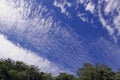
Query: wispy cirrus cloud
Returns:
{"type": "Point", "coordinates": [106, 11]}
{"type": "Point", "coordinates": [34, 28]}
{"type": "Point", "coordinates": [112, 22]}
{"type": "Point", "coordinates": [9, 50]}
{"type": "Point", "coordinates": [62, 5]}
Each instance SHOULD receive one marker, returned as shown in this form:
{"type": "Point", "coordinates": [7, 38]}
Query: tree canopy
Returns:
{"type": "Point", "coordinates": [16, 70]}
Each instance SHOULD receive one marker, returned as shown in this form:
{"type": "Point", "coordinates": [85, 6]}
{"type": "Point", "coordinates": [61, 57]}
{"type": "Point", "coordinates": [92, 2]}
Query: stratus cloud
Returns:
{"type": "Point", "coordinates": [9, 50]}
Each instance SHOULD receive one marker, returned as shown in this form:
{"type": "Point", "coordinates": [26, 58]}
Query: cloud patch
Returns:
{"type": "Point", "coordinates": [9, 50]}
{"type": "Point", "coordinates": [90, 7]}
{"type": "Point", "coordinates": [62, 5]}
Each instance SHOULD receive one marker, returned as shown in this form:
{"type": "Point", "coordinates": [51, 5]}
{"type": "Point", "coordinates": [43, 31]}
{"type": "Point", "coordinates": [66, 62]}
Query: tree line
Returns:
{"type": "Point", "coordinates": [16, 70]}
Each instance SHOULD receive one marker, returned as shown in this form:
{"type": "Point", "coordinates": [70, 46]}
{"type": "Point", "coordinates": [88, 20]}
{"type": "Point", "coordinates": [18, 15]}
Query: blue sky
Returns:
{"type": "Point", "coordinates": [63, 33]}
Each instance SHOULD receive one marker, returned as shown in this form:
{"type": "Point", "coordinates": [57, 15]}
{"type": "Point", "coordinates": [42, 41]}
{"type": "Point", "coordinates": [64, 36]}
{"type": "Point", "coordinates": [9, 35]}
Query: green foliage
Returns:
{"type": "Point", "coordinates": [97, 72]}
{"type": "Point", "coordinates": [11, 70]}
{"type": "Point", "coordinates": [65, 76]}
{"type": "Point", "coordinates": [117, 76]}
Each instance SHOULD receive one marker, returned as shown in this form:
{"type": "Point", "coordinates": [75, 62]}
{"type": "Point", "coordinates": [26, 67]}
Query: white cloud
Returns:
{"type": "Point", "coordinates": [117, 24]}
{"type": "Point", "coordinates": [90, 7]}
{"type": "Point", "coordinates": [111, 5]}
{"type": "Point", "coordinates": [9, 12]}
{"type": "Point", "coordinates": [82, 17]}
{"type": "Point", "coordinates": [15, 15]}
{"type": "Point", "coordinates": [105, 25]}
{"type": "Point", "coordinates": [36, 31]}
{"type": "Point", "coordinates": [62, 6]}
{"type": "Point", "coordinates": [112, 22]}
{"type": "Point", "coordinates": [36, 27]}
{"type": "Point", "coordinates": [107, 13]}
{"type": "Point", "coordinates": [9, 50]}
{"type": "Point", "coordinates": [81, 1]}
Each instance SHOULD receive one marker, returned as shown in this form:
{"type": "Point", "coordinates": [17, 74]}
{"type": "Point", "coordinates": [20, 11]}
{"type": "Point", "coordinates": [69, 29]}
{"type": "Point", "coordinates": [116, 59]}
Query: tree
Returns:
{"type": "Point", "coordinates": [65, 76]}
{"type": "Point", "coordinates": [95, 72]}
{"type": "Point", "coordinates": [11, 70]}
{"type": "Point", "coordinates": [117, 75]}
